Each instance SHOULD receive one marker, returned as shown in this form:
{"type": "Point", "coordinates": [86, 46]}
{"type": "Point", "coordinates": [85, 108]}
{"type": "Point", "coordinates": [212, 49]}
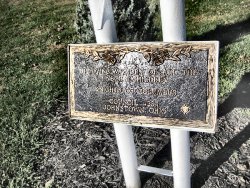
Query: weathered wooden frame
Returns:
{"type": "Point", "coordinates": [193, 125]}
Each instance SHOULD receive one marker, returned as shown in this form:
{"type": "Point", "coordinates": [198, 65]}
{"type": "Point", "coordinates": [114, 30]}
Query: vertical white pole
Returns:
{"type": "Point", "coordinates": [125, 141]}
{"type": "Point", "coordinates": [103, 21]}
{"type": "Point", "coordinates": [105, 32]}
{"type": "Point", "coordinates": [181, 158]}
{"type": "Point", "coordinates": [174, 29]}
{"type": "Point", "coordinates": [173, 20]}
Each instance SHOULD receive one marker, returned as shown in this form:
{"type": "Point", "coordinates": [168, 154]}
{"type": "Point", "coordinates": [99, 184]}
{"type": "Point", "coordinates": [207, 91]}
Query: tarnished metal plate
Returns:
{"type": "Point", "coordinates": [150, 84]}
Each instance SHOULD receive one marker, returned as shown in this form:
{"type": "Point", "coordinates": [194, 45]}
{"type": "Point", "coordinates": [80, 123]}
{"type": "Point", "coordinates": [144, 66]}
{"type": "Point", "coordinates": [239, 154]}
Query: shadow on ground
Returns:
{"type": "Point", "coordinates": [208, 167]}
{"type": "Point", "coordinates": [158, 161]}
{"type": "Point", "coordinates": [239, 98]}
{"type": "Point", "coordinates": [226, 34]}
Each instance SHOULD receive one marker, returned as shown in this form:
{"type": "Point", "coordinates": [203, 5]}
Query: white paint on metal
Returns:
{"type": "Point", "coordinates": [180, 145]}
{"type": "Point", "coordinates": [105, 32]}
{"type": "Point", "coordinates": [174, 29]}
{"type": "Point", "coordinates": [100, 20]}
{"type": "Point", "coordinates": [173, 20]}
{"type": "Point", "coordinates": [154, 170]}
{"type": "Point", "coordinates": [125, 142]}
{"type": "Point", "coordinates": [103, 21]}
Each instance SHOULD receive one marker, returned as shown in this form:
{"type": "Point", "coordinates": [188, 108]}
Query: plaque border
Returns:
{"type": "Point", "coordinates": [209, 125]}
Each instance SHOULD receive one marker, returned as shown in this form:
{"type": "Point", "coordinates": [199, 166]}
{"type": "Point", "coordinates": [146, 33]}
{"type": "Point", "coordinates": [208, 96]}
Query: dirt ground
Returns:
{"type": "Point", "coordinates": [85, 154]}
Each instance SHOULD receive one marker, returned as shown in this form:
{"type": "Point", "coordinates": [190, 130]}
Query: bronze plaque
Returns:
{"type": "Point", "coordinates": [160, 85]}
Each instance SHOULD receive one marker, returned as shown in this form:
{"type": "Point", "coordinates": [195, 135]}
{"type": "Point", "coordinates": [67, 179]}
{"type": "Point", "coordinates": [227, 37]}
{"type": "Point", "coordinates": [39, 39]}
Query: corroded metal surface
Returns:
{"type": "Point", "coordinates": [138, 81]}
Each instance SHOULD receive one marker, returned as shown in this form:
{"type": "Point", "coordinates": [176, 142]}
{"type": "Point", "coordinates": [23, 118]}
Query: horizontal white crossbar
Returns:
{"type": "Point", "coordinates": [155, 170]}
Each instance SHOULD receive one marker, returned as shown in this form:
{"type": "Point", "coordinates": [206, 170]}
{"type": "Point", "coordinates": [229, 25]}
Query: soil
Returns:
{"type": "Point", "coordinates": [84, 154]}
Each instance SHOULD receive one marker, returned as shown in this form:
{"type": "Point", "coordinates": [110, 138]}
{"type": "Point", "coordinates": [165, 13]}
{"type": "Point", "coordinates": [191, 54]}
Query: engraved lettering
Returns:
{"type": "Point", "coordinates": [190, 72]}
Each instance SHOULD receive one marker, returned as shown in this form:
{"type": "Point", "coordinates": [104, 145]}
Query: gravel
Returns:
{"type": "Point", "coordinates": [84, 154]}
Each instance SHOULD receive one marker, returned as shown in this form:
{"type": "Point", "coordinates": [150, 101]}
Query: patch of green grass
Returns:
{"type": "Point", "coordinates": [33, 74]}
{"type": "Point", "coordinates": [202, 18]}
{"type": "Point", "coordinates": [234, 63]}
{"type": "Point", "coordinates": [246, 112]}
{"type": "Point", "coordinates": [205, 15]}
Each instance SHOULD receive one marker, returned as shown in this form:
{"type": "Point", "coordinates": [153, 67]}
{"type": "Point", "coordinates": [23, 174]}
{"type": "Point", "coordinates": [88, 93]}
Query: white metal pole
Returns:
{"type": "Point", "coordinates": [174, 29]}
{"type": "Point", "coordinates": [173, 20]}
{"type": "Point", "coordinates": [181, 158]}
{"type": "Point", "coordinates": [125, 141]}
{"type": "Point", "coordinates": [105, 32]}
{"type": "Point", "coordinates": [103, 21]}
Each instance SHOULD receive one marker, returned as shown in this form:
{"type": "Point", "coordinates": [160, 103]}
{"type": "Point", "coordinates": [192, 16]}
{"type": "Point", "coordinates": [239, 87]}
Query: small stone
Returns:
{"type": "Point", "coordinates": [241, 179]}
{"type": "Point", "coordinates": [242, 167]}
{"type": "Point", "coordinates": [80, 140]}
{"type": "Point", "coordinates": [102, 158]}
{"type": "Point", "coordinates": [82, 166]}
{"type": "Point", "coordinates": [49, 183]}
{"type": "Point", "coordinates": [60, 128]}
{"type": "Point", "coordinates": [78, 126]}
